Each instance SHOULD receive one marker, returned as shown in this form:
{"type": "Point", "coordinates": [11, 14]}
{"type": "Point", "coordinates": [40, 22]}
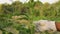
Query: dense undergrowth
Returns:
{"type": "Point", "coordinates": [18, 18]}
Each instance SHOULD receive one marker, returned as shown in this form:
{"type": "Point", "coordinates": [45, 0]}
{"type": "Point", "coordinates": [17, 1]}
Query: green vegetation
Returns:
{"type": "Point", "coordinates": [18, 17]}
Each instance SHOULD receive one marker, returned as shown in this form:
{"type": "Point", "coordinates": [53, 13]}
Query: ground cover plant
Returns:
{"type": "Point", "coordinates": [18, 17]}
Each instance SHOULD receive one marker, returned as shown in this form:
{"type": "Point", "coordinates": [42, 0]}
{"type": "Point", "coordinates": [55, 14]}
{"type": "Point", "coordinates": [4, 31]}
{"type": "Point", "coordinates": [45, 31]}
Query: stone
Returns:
{"type": "Point", "coordinates": [44, 25]}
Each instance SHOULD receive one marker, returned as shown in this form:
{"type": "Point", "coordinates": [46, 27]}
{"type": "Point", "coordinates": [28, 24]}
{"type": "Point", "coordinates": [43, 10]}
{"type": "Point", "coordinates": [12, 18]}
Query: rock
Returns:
{"type": "Point", "coordinates": [44, 25]}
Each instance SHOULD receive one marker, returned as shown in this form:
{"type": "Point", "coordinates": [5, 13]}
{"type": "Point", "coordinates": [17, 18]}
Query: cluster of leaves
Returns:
{"type": "Point", "coordinates": [32, 10]}
{"type": "Point", "coordinates": [36, 10]}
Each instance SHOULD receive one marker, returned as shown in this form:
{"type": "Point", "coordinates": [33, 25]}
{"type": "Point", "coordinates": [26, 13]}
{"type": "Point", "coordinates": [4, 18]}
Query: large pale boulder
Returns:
{"type": "Point", "coordinates": [44, 25]}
